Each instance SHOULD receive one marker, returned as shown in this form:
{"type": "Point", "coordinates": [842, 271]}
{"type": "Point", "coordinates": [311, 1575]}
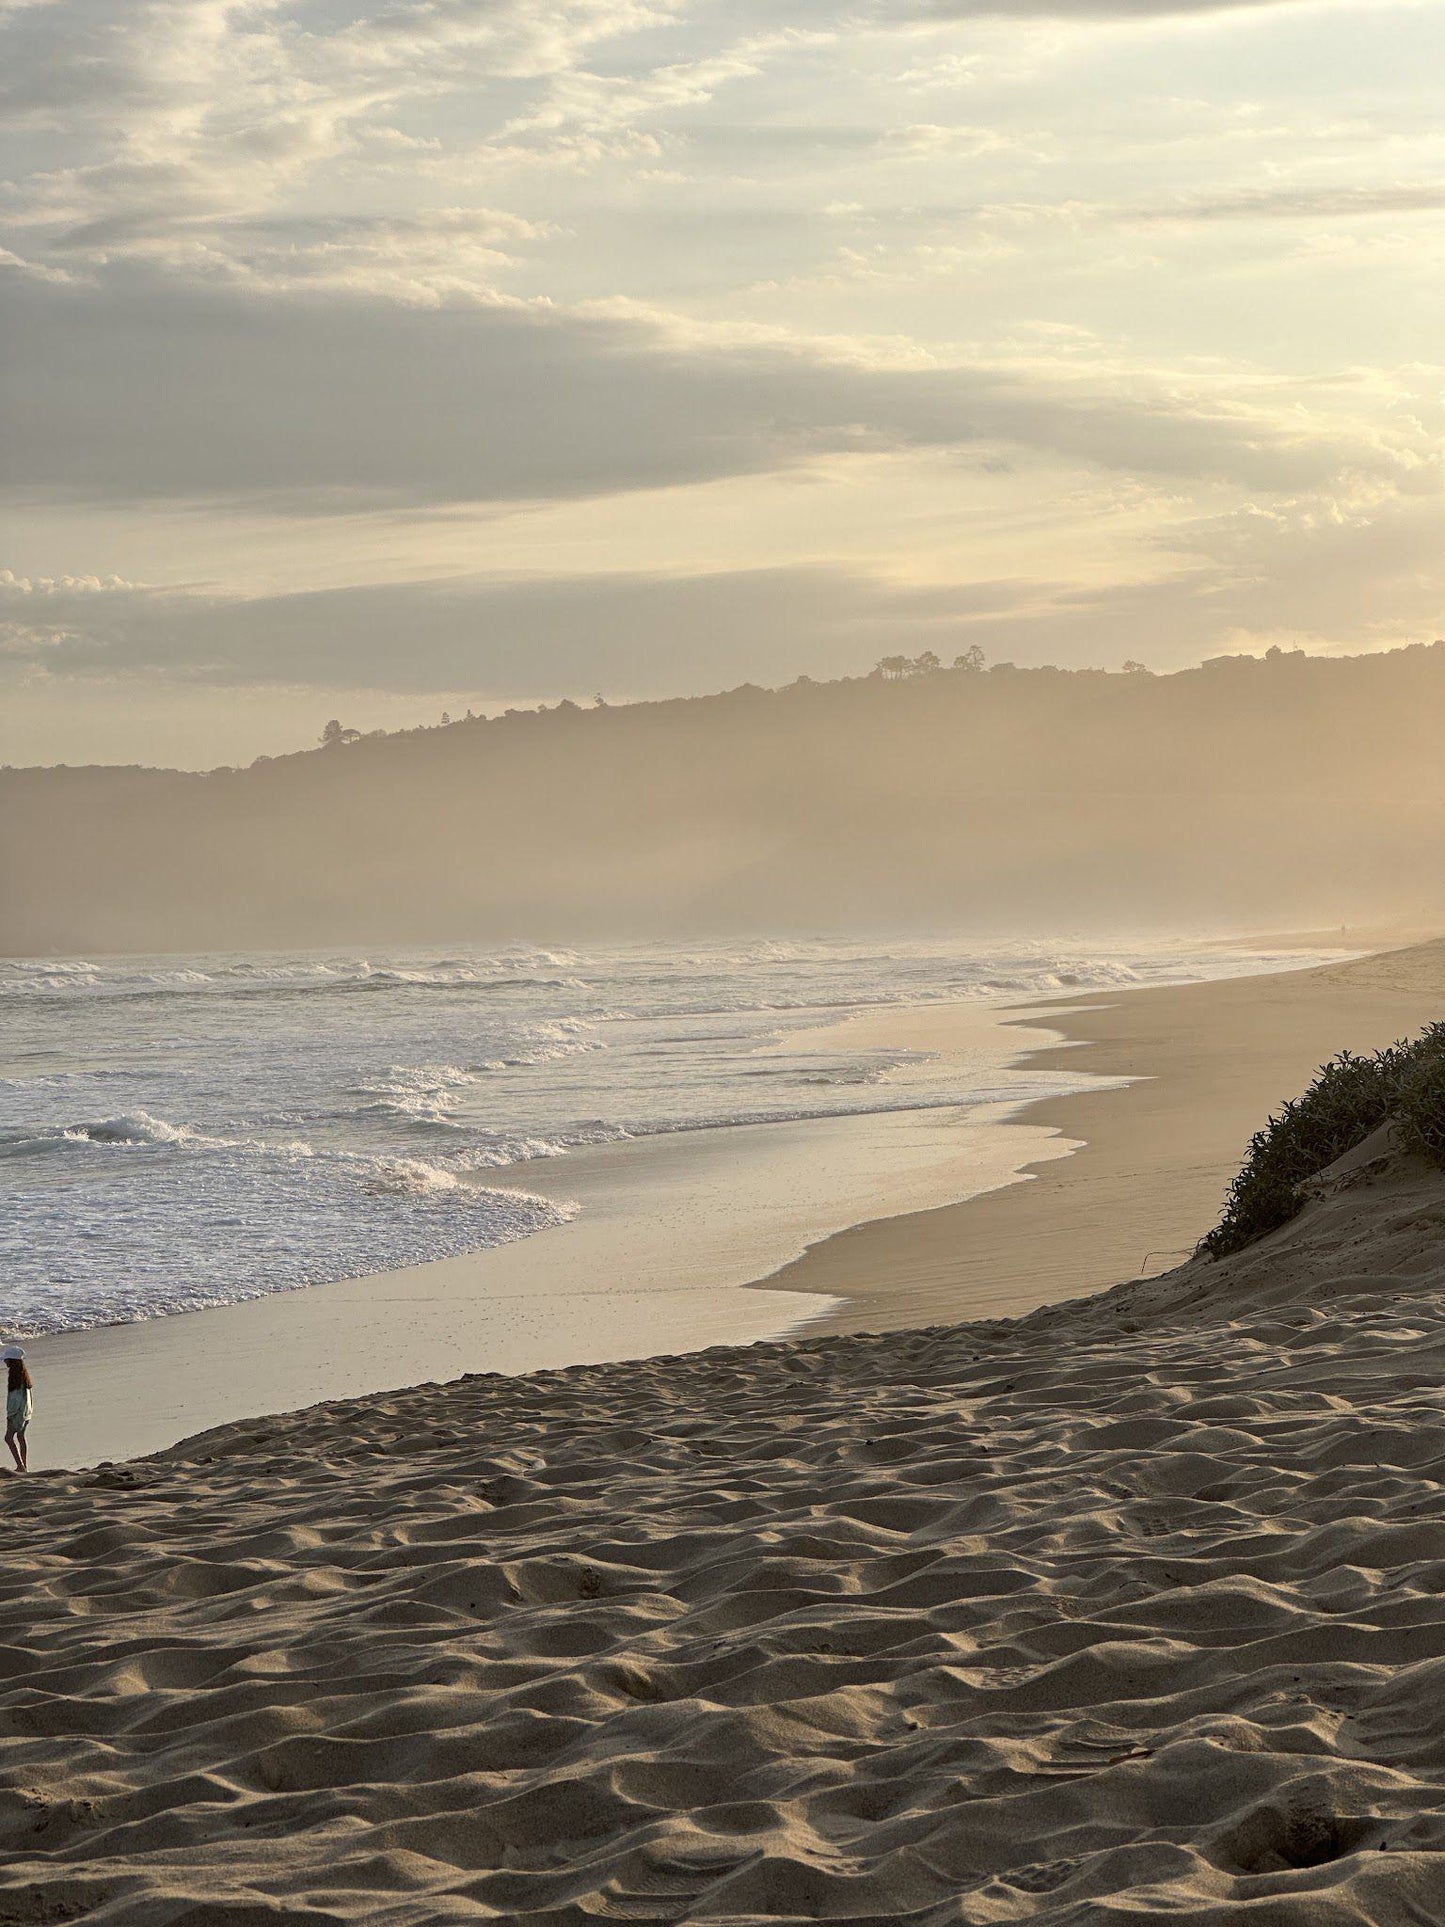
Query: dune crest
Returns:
{"type": "Point", "coordinates": [1127, 1610]}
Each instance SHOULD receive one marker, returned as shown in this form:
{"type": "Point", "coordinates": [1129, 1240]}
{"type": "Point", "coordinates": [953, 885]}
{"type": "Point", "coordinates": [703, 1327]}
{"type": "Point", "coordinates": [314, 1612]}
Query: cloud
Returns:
{"type": "Point", "coordinates": [179, 116]}
{"type": "Point", "coordinates": [310, 257]}
{"type": "Point", "coordinates": [1247, 579]}
{"type": "Point", "coordinates": [1332, 579]}
{"type": "Point", "coordinates": [145, 391]}
{"type": "Point", "coordinates": [1083, 9]}
{"type": "Point", "coordinates": [637, 633]}
{"type": "Point", "coordinates": [1302, 204]}
{"type": "Point", "coordinates": [120, 59]}
{"type": "Point", "coordinates": [194, 129]}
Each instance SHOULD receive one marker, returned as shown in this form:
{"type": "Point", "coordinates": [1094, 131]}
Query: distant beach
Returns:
{"type": "Point", "coordinates": [1193, 1071]}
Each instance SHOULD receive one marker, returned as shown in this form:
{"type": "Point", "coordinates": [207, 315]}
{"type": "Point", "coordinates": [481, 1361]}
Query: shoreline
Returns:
{"type": "Point", "coordinates": [1205, 1063]}
{"type": "Point", "coordinates": [1040, 1218]}
{"type": "Point", "coordinates": [663, 1258]}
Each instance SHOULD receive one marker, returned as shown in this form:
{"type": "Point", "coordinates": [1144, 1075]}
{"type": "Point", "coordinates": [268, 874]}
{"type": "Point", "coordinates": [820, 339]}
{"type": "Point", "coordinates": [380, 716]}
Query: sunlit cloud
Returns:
{"type": "Point", "coordinates": [294, 268]}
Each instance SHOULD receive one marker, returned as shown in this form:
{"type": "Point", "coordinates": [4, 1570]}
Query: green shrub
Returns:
{"type": "Point", "coordinates": [1350, 1097]}
{"type": "Point", "coordinates": [1422, 1099]}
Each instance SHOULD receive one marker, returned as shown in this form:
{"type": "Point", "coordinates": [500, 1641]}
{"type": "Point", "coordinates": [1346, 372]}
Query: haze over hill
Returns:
{"type": "Point", "coordinates": [1246, 791]}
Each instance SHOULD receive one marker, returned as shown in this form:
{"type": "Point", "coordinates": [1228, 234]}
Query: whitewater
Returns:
{"type": "Point", "coordinates": [179, 1132]}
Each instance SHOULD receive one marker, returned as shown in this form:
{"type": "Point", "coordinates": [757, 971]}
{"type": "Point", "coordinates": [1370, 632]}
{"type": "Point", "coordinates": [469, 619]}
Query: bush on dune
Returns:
{"type": "Point", "coordinates": [1422, 1100]}
{"type": "Point", "coordinates": [1350, 1097]}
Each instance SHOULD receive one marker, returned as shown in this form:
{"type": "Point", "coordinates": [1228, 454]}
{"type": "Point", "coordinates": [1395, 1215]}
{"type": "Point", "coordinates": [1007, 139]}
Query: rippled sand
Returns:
{"type": "Point", "coordinates": [1128, 1611]}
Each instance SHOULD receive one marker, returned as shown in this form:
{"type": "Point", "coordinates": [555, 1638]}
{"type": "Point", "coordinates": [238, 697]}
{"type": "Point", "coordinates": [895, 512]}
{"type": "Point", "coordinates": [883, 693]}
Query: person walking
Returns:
{"type": "Point", "coordinates": [18, 1403]}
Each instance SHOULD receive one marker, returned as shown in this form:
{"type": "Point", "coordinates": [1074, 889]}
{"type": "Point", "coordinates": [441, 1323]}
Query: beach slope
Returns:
{"type": "Point", "coordinates": [1128, 1610]}
{"type": "Point", "coordinates": [1206, 1064]}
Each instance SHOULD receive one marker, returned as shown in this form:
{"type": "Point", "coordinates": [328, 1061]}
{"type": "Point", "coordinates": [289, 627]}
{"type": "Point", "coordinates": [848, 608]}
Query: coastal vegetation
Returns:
{"type": "Point", "coordinates": [1351, 1098]}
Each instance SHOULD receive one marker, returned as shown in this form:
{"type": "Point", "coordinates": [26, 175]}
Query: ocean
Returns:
{"type": "Point", "coordinates": [185, 1131]}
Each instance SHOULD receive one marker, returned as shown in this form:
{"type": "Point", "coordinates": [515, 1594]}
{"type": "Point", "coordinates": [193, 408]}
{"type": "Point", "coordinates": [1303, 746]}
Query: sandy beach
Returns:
{"type": "Point", "coordinates": [1129, 1610]}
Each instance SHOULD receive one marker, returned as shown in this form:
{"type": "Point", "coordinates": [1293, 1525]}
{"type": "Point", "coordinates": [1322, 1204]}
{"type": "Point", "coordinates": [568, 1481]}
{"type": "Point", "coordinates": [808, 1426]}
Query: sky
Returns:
{"type": "Point", "coordinates": [371, 358]}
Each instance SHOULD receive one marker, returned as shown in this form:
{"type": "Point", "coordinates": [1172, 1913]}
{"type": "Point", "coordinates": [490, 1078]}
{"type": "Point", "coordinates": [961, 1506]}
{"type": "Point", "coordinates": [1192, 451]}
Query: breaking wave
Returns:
{"type": "Point", "coordinates": [185, 1131]}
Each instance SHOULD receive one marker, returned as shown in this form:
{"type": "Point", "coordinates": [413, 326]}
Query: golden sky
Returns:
{"type": "Point", "coordinates": [374, 357]}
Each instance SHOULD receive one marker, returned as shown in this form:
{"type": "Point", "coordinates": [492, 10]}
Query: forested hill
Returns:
{"type": "Point", "coordinates": [1277, 791]}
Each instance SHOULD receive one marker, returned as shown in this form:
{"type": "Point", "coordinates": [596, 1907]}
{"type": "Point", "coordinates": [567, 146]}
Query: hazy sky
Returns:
{"type": "Point", "coordinates": [370, 357]}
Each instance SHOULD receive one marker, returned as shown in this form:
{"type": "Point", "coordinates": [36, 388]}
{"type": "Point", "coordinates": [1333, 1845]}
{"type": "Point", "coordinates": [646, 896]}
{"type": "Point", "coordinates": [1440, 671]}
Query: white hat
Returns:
{"type": "Point", "coordinates": [12, 1351]}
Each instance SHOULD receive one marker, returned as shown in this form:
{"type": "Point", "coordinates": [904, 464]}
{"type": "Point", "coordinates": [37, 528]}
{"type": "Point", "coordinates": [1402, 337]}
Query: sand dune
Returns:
{"type": "Point", "coordinates": [1127, 1611]}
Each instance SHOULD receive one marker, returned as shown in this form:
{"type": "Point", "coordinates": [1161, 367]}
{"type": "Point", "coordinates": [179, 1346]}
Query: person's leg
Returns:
{"type": "Point", "coordinates": [15, 1451]}
{"type": "Point", "coordinates": [21, 1451]}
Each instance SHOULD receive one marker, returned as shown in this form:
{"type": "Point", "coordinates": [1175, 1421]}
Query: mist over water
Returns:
{"type": "Point", "coordinates": [1293, 793]}
{"type": "Point", "coordinates": [181, 1131]}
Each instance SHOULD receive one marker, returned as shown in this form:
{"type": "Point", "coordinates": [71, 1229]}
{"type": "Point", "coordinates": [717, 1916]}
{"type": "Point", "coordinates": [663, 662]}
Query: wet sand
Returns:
{"type": "Point", "coordinates": [671, 1231]}
{"type": "Point", "coordinates": [1210, 1062]}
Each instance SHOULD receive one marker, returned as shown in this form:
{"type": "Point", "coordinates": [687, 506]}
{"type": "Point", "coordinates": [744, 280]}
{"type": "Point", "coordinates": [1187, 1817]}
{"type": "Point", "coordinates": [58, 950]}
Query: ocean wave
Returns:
{"type": "Point", "coordinates": [49, 979]}
{"type": "Point", "coordinates": [191, 1130]}
{"type": "Point", "coordinates": [834, 1077]}
{"type": "Point", "coordinates": [242, 1221]}
{"type": "Point", "coordinates": [422, 980]}
{"type": "Point", "coordinates": [30, 967]}
{"type": "Point", "coordinates": [429, 1095]}
{"type": "Point", "coordinates": [416, 1093]}
{"type": "Point", "coordinates": [247, 977]}
{"type": "Point", "coordinates": [546, 1043]}
{"type": "Point", "coordinates": [135, 1128]}
{"type": "Point", "coordinates": [415, 1178]}
{"type": "Point", "coordinates": [506, 1150]}
{"type": "Point", "coordinates": [199, 988]}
